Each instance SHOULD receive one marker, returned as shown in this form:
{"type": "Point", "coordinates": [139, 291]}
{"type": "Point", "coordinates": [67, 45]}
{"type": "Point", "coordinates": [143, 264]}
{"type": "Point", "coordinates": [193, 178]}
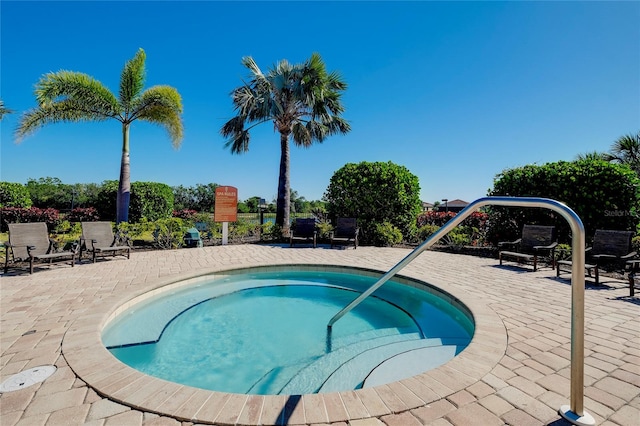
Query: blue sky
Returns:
{"type": "Point", "coordinates": [455, 91]}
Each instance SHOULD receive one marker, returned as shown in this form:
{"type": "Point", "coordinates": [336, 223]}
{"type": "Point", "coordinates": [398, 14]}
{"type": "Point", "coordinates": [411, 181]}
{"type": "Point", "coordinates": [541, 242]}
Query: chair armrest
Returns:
{"type": "Point", "coordinates": [549, 247]}
{"type": "Point", "coordinates": [509, 243]}
{"type": "Point", "coordinates": [629, 256]}
{"type": "Point", "coordinates": [30, 249]}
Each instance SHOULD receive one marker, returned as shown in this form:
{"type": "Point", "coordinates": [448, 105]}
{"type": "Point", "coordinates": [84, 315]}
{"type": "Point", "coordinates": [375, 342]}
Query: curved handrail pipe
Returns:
{"type": "Point", "coordinates": [575, 412]}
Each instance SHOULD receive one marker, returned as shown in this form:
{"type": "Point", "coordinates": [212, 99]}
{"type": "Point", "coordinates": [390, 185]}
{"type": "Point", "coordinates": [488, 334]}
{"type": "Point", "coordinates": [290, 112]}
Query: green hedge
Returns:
{"type": "Point", "coordinates": [605, 196]}
{"type": "Point", "coordinates": [14, 195]}
{"type": "Point", "coordinates": [375, 193]}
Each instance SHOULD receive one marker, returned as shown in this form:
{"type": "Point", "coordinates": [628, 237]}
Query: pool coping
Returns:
{"type": "Point", "coordinates": [93, 363]}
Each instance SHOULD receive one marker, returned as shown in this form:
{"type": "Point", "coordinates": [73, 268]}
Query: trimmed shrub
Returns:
{"type": "Point", "coordinates": [604, 195]}
{"type": "Point", "coordinates": [150, 200]}
{"type": "Point", "coordinates": [375, 193]}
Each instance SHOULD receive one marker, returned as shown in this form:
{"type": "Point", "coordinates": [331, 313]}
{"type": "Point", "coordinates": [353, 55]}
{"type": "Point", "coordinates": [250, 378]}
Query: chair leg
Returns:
{"type": "Point", "coordinates": [535, 263]}
{"type": "Point", "coordinates": [631, 284]}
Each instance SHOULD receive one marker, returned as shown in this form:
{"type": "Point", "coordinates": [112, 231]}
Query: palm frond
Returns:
{"type": "Point", "coordinates": [627, 146]}
{"type": "Point", "coordinates": [79, 87]}
{"type": "Point", "coordinates": [239, 143]}
{"type": "Point", "coordinates": [232, 127]}
{"type": "Point", "coordinates": [4, 110]}
{"type": "Point", "coordinates": [250, 63]}
{"type": "Point", "coordinates": [66, 110]}
{"type": "Point", "coordinates": [132, 80]}
{"type": "Point", "coordinates": [594, 155]}
{"type": "Point", "coordinates": [161, 105]}
{"type": "Point", "coordinates": [302, 136]}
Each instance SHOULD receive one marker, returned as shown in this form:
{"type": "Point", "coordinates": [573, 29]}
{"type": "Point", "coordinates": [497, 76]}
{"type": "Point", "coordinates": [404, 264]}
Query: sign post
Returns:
{"type": "Point", "coordinates": [226, 209]}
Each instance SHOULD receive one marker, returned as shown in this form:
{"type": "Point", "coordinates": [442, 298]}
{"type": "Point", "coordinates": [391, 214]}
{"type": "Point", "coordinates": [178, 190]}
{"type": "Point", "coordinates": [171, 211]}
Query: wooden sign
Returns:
{"type": "Point", "coordinates": [226, 207]}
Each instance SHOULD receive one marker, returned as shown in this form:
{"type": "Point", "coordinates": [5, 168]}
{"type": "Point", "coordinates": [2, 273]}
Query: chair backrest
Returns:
{"type": "Point", "coordinates": [102, 232]}
{"type": "Point", "coordinates": [615, 243]}
{"type": "Point", "coordinates": [346, 227]}
{"type": "Point", "coordinates": [536, 235]}
{"type": "Point", "coordinates": [305, 227]}
{"type": "Point", "coordinates": [33, 234]}
{"type": "Point", "coordinates": [202, 226]}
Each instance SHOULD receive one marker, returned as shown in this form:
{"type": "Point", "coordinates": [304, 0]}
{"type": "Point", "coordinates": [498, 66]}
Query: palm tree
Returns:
{"type": "Point", "coordinates": [302, 101]}
{"type": "Point", "coordinates": [594, 155]}
{"type": "Point", "coordinates": [626, 150]}
{"type": "Point", "coordinates": [73, 96]}
{"type": "Point", "coordinates": [4, 110]}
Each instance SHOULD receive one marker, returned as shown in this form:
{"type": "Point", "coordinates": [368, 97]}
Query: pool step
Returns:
{"type": "Point", "coordinates": [312, 377]}
{"type": "Point", "coordinates": [413, 362]}
{"type": "Point", "coordinates": [277, 378]}
{"type": "Point", "coordinates": [353, 373]}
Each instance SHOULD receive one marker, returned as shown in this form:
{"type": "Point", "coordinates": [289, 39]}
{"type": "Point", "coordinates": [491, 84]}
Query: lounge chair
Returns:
{"type": "Point", "coordinates": [536, 241]}
{"type": "Point", "coordinates": [30, 242]}
{"type": "Point", "coordinates": [98, 238]}
{"type": "Point", "coordinates": [303, 230]}
{"type": "Point", "coordinates": [346, 232]}
{"type": "Point", "coordinates": [608, 247]}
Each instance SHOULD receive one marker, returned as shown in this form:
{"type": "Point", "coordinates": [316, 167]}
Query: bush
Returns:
{"type": "Point", "coordinates": [169, 233]}
{"type": "Point", "coordinates": [14, 195]}
{"type": "Point", "coordinates": [34, 214]}
{"type": "Point", "coordinates": [458, 237]}
{"type": "Point", "coordinates": [65, 227]}
{"type": "Point", "coordinates": [89, 214]}
{"type": "Point", "coordinates": [185, 214]}
{"type": "Point", "coordinates": [386, 235]}
{"type": "Point", "coordinates": [604, 195]}
{"type": "Point", "coordinates": [150, 200]}
{"type": "Point", "coordinates": [324, 228]}
{"type": "Point", "coordinates": [474, 227]}
{"type": "Point", "coordinates": [426, 231]}
{"type": "Point", "coordinates": [375, 193]}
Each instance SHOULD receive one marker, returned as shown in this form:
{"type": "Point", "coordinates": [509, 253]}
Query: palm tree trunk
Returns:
{"type": "Point", "coordinates": [124, 186]}
{"type": "Point", "coordinates": [284, 193]}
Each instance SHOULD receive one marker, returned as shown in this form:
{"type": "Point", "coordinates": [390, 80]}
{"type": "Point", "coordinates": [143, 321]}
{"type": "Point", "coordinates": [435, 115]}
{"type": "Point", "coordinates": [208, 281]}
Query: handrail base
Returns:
{"type": "Point", "coordinates": [585, 420]}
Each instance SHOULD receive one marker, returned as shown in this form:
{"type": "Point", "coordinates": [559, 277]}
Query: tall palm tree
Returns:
{"type": "Point", "coordinates": [626, 150]}
{"type": "Point", "coordinates": [73, 96]}
{"type": "Point", "coordinates": [4, 110]}
{"type": "Point", "coordinates": [302, 101]}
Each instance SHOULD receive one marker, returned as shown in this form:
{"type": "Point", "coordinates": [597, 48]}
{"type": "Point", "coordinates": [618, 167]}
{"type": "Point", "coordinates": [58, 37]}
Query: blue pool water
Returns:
{"type": "Point", "coordinates": [266, 333]}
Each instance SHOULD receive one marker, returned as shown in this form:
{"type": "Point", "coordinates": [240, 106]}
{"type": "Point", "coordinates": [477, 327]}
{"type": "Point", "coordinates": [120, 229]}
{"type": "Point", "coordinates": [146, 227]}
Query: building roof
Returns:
{"type": "Point", "coordinates": [457, 203]}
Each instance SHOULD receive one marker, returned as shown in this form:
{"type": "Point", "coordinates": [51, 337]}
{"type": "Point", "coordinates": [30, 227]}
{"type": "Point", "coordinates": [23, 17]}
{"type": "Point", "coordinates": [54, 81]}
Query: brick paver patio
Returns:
{"type": "Point", "coordinates": [526, 382]}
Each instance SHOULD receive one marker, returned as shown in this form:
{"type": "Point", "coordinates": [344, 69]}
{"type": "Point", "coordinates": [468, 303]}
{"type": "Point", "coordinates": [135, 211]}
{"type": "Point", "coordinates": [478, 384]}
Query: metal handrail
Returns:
{"type": "Point", "coordinates": [574, 413]}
